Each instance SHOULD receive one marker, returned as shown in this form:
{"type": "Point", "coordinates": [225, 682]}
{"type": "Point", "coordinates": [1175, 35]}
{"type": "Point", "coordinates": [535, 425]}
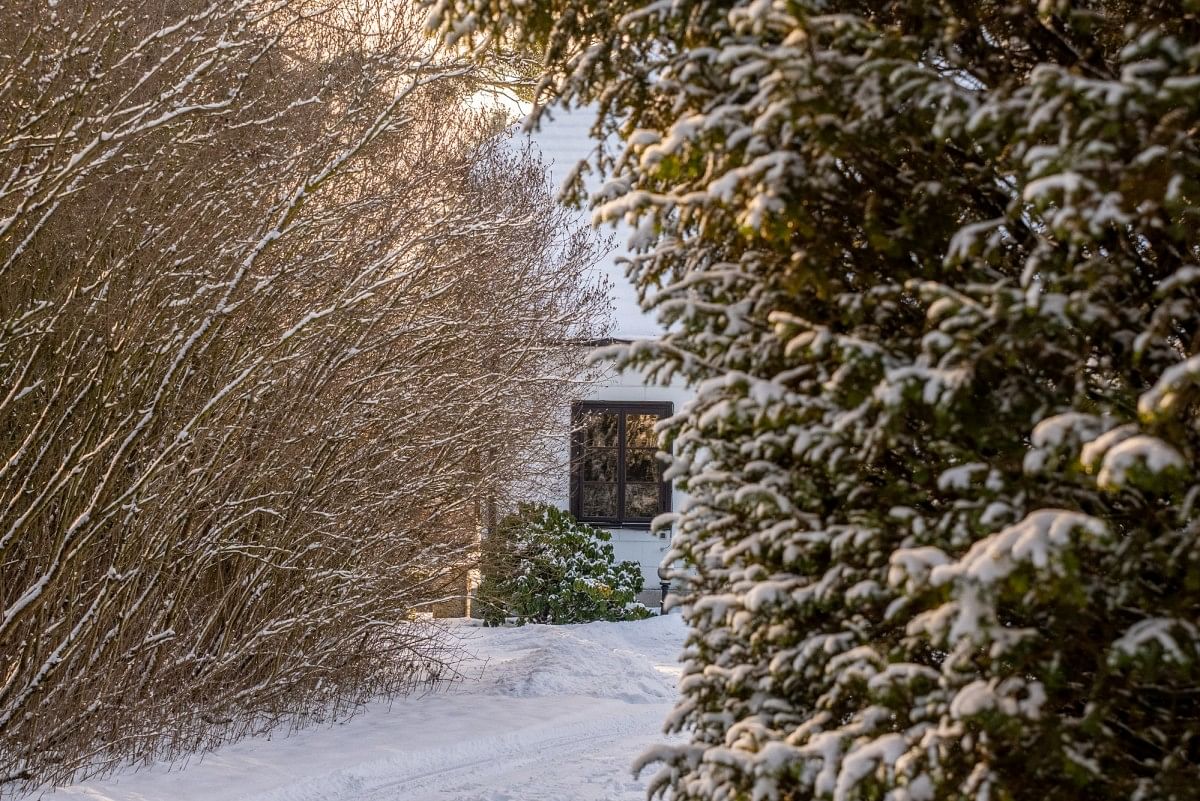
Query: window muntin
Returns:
{"type": "Point", "coordinates": [616, 478]}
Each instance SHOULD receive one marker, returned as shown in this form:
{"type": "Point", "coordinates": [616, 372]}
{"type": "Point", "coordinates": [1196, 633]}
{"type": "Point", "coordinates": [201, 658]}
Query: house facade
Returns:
{"type": "Point", "coordinates": [615, 479]}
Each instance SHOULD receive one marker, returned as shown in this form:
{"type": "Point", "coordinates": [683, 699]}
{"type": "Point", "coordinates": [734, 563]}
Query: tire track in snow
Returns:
{"type": "Point", "coordinates": [500, 767]}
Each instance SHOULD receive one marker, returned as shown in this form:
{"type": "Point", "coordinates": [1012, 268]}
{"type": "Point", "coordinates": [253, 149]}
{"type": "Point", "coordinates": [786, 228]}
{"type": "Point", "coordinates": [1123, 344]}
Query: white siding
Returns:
{"type": "Point", "coordinates": [565, 140]}
{"type": "Point", "coordinates": [636, 545]}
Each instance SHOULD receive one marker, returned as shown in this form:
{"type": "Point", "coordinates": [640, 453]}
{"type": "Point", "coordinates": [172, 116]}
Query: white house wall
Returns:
{"type": "Point", "coordinates": [629, 544]}
{"type": "Point", "coordinates": [564, 140]}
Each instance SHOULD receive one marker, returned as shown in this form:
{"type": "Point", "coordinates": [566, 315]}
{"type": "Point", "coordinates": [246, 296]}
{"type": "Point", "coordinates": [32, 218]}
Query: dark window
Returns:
{"type": "Point", "coordinates": [615, 478]}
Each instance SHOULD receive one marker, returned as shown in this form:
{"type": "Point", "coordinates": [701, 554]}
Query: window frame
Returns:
{"type": "Point", "coordinates": [660, 409]}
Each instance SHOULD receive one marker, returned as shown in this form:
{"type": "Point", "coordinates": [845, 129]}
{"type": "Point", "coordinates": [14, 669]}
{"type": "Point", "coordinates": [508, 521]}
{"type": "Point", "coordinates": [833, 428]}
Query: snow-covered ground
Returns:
{"type": "Point", "coordinates": [553, 713]}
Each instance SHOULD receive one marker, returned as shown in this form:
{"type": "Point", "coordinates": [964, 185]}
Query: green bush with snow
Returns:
{"type": "Point", "coordinates": [541, 565]}
{"type": "Point", "coordinates": [933, 268]}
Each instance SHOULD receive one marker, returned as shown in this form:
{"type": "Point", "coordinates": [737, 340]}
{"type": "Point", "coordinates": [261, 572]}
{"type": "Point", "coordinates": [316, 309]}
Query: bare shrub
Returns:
{"type": "Point", "coordinates": [277, 312]}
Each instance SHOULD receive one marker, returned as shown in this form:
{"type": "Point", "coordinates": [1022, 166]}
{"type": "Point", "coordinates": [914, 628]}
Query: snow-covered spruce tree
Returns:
{"type": "Point", "coordinates": [933, 269]}
{"type": "Point", "coordinates": [541, 565]}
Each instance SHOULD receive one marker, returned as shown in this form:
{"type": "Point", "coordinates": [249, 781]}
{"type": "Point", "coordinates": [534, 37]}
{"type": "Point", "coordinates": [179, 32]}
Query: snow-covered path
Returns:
{"type": "Point", "coordinates": [557, 712]}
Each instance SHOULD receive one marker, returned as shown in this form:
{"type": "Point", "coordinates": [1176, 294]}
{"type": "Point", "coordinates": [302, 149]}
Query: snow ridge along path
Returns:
{"type": "Point", "coordinates": [552, 713]}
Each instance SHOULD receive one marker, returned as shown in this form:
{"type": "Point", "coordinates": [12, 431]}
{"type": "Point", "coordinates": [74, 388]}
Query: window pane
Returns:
{"type": "Point", "coordinates": [600, 464]}
{"type": "Point", "coordinates": [639, 431]}
{"type": "Point", "coordinates": [599, 500]}
{"type": "Point", "coordinates": [600, 429]}
{"type": "Point", "coordinates": [640, 465]}
{"type": "Point", "coordinates": [641, 500]}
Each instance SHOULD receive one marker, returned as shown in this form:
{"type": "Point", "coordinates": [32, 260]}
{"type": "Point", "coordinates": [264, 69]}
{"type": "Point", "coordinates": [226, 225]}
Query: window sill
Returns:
{"type": "Point", "coordinates": [610, 526]}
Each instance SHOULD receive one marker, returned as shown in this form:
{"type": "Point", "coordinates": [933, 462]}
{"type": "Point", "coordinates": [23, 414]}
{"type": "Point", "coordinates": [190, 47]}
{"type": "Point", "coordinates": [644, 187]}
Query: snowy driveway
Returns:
{"type": "Point", "coordinates": [557, 713]}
